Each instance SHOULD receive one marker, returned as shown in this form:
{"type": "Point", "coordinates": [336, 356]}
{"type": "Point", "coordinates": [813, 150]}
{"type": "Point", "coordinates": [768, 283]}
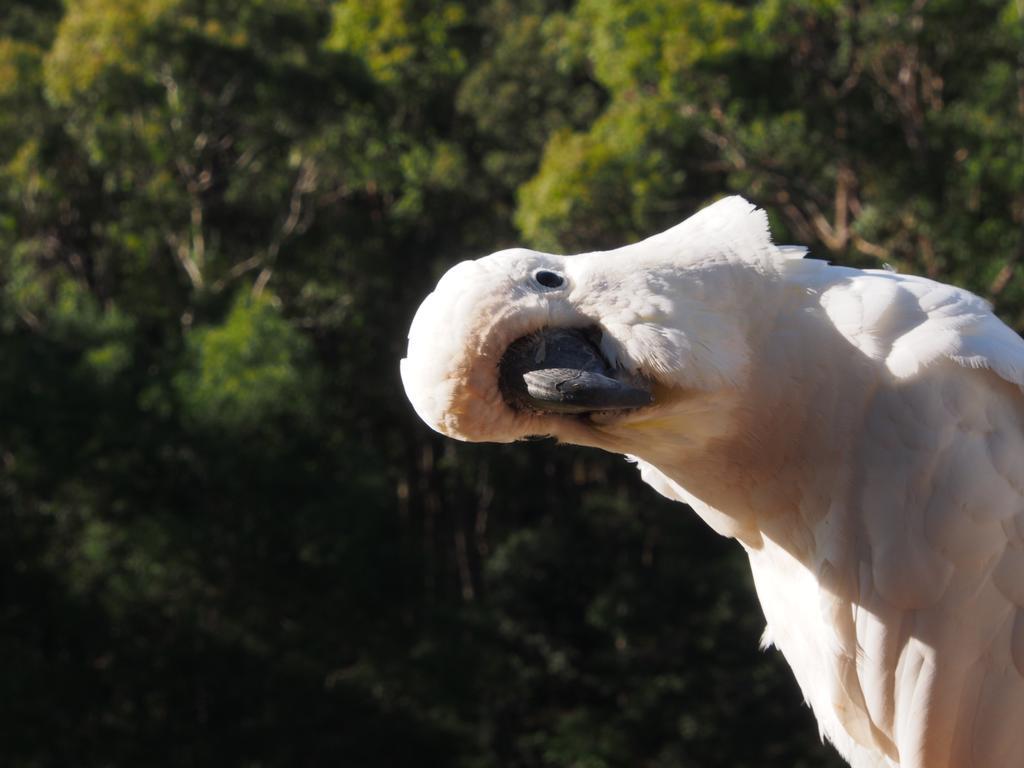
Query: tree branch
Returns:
{"type": "Point", "coordinates": [305, 182]}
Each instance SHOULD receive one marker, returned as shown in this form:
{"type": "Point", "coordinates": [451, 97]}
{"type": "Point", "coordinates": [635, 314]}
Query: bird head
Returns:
{"type": "Point", "coordinates": [595, 348]}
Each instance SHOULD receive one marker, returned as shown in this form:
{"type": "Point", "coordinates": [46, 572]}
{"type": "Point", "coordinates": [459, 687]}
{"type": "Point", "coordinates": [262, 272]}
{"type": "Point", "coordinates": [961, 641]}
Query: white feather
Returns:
{"type": "Point", "coordinates": [861, 433]}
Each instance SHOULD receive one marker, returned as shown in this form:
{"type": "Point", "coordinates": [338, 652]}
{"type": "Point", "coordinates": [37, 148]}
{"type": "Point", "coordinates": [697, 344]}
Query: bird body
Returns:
{"type": "Point", "coordinates": [860, 433]}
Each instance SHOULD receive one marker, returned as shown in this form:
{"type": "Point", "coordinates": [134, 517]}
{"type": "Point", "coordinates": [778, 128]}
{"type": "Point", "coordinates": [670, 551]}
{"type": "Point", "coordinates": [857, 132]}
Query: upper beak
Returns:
{"type": "Point", "coordinates": [562, 370]}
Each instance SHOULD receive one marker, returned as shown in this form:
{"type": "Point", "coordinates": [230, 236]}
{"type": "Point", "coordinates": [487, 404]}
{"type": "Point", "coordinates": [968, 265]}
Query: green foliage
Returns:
{"type": "Point", "coordinates": [227, 539]}
{"type": "Point", "coordinates": [599, 186]}
{"type": "Point", "coordinates": [878, 135]}
{"type": "Point", "coordinates": [252, 369]}
{"type": "Point", "coordinates": [403, 42]}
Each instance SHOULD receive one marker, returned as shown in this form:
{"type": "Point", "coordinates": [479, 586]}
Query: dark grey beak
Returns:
{"type": "Point", "coordinates": [562, 370]}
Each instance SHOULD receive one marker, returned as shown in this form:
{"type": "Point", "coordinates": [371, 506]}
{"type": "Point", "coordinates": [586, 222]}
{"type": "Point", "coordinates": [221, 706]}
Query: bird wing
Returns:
{"type": "Point", "coordinates": [939, 614]}
{"type": "Point", "coordinates": [934, 649]}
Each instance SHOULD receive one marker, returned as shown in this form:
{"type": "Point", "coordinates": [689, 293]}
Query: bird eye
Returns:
{"type": "Point", "coordinates": [549, 279]}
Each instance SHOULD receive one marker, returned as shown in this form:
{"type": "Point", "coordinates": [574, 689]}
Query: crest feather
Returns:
{"type": "Point", "coordinates": [732, 227]}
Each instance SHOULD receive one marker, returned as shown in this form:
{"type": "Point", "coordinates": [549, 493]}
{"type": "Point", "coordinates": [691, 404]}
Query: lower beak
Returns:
{"type": "Point", "coordinates": [562, 370]}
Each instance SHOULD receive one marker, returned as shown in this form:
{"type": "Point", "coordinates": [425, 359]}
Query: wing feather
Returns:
{"type": "Point", "coordinates": [939, 521]}
{"type": "Point", "coordinates": [941, 530]}
{"type": "Point", "coordinates": [913, 322]}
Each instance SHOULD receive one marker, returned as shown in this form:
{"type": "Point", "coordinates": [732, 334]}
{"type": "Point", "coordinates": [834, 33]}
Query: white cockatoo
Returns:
{"type": "Point", "coordinates": [859, 433]}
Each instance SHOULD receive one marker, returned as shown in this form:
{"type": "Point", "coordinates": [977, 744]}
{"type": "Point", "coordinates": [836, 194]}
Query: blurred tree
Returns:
{"type": "Point", "coordinates": [225, 537]}
{"type": "Point", "coordinates": [888, 132]}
